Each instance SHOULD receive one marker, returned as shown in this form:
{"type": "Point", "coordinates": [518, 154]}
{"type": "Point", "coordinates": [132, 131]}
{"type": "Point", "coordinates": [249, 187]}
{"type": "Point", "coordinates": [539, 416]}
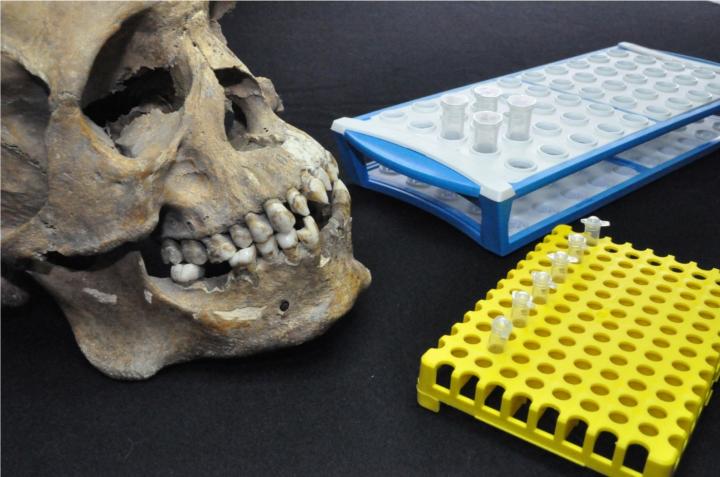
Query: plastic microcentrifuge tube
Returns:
{"type": "Point", "coordinates": [487, 126]}
{"type": "Point", "coordinates": [452, 120]}
{"type": "Point", "coordinates": [542, 283]}
{"type": "Point", "coordinates": [486, 98]}
{"type": "Point", "coordinates": [499, 334]}
{"type": "Point", "coordinates": [559, 269]}
{"type": "Point", "coordinates": [521, 107]}
{"type": "Point", "coordinates": [577, 243]}
{"type": "Point", "coordinates": [521, 304]}
{"type": "Point", "coordinates": [592, 228]}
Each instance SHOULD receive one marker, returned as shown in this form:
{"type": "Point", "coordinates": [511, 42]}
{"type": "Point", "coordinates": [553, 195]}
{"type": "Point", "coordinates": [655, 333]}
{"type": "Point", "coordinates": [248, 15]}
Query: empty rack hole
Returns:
{"type": "Point", "coordinates": [635, 457]}
{"type": "Point", "coordinates": [605, 444]}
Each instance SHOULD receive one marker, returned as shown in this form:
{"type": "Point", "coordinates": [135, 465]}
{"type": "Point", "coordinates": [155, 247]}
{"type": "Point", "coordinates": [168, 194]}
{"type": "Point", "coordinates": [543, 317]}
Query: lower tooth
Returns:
{"type": "Point", "coordinates": [194, 252]}
{"type": "Point", "coordinates": [324, 178]}
{"type": "Point", "coordinates": [287, 239]}
{"type": "Point", "coordinates": [243, 257]}
{"type": "Point", "coordinates": [269, 248]}
{"type": "Point", "coordinates": [186, 273]}
{"type": "Point", "coordinates": [219, 247]}
{"type": "Point", "coordinates": [170, 252]}
{"type": "Point", "coordinates": [310, 234]}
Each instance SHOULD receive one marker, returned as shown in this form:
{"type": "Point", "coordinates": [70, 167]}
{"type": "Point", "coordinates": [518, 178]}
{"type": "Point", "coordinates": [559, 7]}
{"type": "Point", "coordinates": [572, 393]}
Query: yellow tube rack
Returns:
{"type": "Point", "coordinates": [611, 373]}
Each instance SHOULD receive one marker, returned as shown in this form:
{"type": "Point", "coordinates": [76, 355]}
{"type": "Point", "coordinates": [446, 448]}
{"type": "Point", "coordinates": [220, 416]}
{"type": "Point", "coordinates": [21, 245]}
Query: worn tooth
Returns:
{"type": "Point", "coordinates": [194, 252]}
{"type": "Point", "coordinates": [310, 234]}
{"type": "Point", "coordinates": [332, 170]}
{"type": "Point", "coordinates": [241, 236]}
{"type": "Point", "coordinates": [219, 248]}
{"type": "Point", "coordinates": [243, 257]}
{"type": "Point", "coordinates": [170, 252]}
{"type": "Point", "coordinates": [281, 219]}
{"type": "Point", "coordinates": [260, 228]}
{"type": "Point", "coordinates": [298, 202]}
{"type": "Point", "coordinates": [324, 178]}
{"type": "Point", "coordinates": [268, 248]}
{"type": "Point", "coordinates": [184, 273]}
{"type": "Point", "coordinates": [341, 194]}
{"type": "Point", "coordinates": [287, 239]}
{"type": "Point", "coordinates": [315, 191]}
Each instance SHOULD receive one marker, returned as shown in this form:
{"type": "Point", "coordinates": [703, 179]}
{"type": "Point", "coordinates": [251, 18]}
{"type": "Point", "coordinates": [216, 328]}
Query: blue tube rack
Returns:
{"type": "Point", "coordinates": [503, 220]}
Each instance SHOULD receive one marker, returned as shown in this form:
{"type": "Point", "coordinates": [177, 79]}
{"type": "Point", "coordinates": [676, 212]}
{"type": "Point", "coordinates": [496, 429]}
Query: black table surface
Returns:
{"type": "Point", "coordinates": [345, 403]}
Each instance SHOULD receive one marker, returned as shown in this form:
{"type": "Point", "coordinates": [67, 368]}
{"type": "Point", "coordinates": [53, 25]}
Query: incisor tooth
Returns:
{"type": "Point", "coordinates": [241, 236]}
{"type": "Point", "coordinates": [186, 273]}
{"type": "Point", "coordinates": [259, 226]}
{"type": "Point", "coordinates": [297, 201]}
{"type": "Point", "coordinates": [219, 248]}
{"type": "Point", "coordinates": [287, 239]}
{"type": "Point", "coordinates": [324, 178]}
{"type": "Point", "coordinates": [268, 248]}
{"type": "Point", "coordinates": [281, 219]}
{"type": "Point", "coordinates": [170, 252]}
{"type": "Point", "coordinates": [194, 252]}
{"type": "Point", "coordinates": [309, 235]}
{"type": "Point", "coordinates": [243, 257]}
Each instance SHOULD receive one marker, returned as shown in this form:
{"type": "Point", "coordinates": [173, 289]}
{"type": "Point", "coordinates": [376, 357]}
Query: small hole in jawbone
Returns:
{"type": "Point", "coordinates": [284, 306]}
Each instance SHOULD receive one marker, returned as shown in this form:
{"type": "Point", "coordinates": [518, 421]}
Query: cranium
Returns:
{"type": "Point", "coordinates": [149, 185]}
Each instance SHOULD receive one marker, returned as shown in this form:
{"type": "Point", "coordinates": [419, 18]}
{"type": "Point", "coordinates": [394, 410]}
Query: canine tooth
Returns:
{"type": "Point", "coordinates": [324, 178]}
{"type": "Point", "coordinates": [186, 273]}
{"type": "Point", "coordinates": [310, 234]}
{"type": "Point", "coordinates": [241, 236]}
{"type": "Point", "coordinates": [281, 219]}
{"type": "Point", "coordinates": [170, 252]}
{"type": "Point", "coordinates": [194, 252]}
{"type": "Point", "coordinates": [268, 248]}
{"type": "Point", "coordinates": [219, 248]}
{"type": "Point", "coordinates": [287, 239]}
{"type": "Point", "coordinates": [243, 257]}
{"type": "Point", "coordinates": [298, 202]}
{"type": "Point", "coordinates": [315, 191]}
{"type": "Point", "coordinates": [332, 170]}
{"type": "Point", "coordinates": [259, 226]}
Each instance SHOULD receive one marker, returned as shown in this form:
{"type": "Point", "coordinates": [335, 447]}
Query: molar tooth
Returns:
{"type": "Point", "coordinates": [241, 236]}
{"type": "Point", "coordinates": [324, 178]}
{"type": "Point", "coordinates": [219, 248]}
{"type": "Point", "coordinates": [170, 252]}
{"type": "Point", "coordinates": [268, 248]}
{"type": "Point", "coordinates": [194, 252]}
{"type": "Point", "coordinates": [297, 201]}
{"type": "Point", "coordinates": [259, 227]}
{"type": "Point", "coordinates": [243, 257]}
{"type": "Point", "coordinates": [287, 239]}
{"type": "Point", "coordinates": [281, 219]}
{"type": "Point", "coordinates": [310, 234]}
{"type": "Point", "coordinates": [185, 273]}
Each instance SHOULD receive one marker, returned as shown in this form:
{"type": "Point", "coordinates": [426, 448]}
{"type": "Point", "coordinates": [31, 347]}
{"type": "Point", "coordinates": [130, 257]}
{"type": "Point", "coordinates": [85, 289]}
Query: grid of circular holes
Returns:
{"type": "Point", "coordinates": [459, 352]}
{"type": "Point", "coordinates": [648, 429]}
{"type": "Point", "coordinates": [588, 405]}
{"type": "Point", "coordinates": [483, 362]}
{"type": "Point", "coordinates": [637, 385]}
{"type": "Point", "coordinates": [556, 354]}
{"type": "Point", "coordinates": [471, 339]}
{"type": "Point", "coordinates": [627, 400]}
{"type": "Point", "coordinates": [618, 360]}
{"type": "Point", "coordinates": [609, 374]}
{"type": "Point", "coordinates": [561, 394]}
{"type": "Point", "coordinates": [618, 417]}
{"type": "Point", "coordinates": [534, 383]}
{"type": "Point", "coordinates": [546, 368]}
{"type": "Point", "coordinates": [573, 379]}
{"type": "Point", "coordinates": [508, 373]}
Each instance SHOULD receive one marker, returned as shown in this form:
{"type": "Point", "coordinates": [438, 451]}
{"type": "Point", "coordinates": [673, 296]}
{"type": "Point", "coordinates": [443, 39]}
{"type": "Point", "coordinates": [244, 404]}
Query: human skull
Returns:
{"type": "Point", "coordinates": [148, 184]}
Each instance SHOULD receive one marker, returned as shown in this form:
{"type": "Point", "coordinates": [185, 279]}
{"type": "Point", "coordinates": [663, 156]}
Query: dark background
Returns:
{"type": "Point", "coordinates": [345, 403]}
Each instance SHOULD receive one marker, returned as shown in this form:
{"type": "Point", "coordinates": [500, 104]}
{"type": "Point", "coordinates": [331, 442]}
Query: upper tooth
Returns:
{"type": "Point", "coordinates": [324, 178]}
{"type": "Point", "coordinates": [287, 239]}
{"type": "Point", "coordinates": [332, 170]}
{"type": "Point", "coordinates": [340, 193]}
{"type": "Point", "coordinates": [242, 257]}
{"type": "Point", "coordinates": [219, 247]}
{"type": "Point", "coordinates": [281, 219]}
{"type": "Point", "coordinates": [259, 227]}
{"type": "Point", "coordinates": [309, 235]}
{"type": "Point", "coordinates": [315, 190]}
{"type": "Point", "coordinates": [297, 201]}
{"type": "Point", "coordinates": [268, 248]}
{"type": "Point", "coordinates": [241, 236]}
{"type": "Point", "coordinates": [194, 252]}
{"type": "Point", "coordinates": [170, 251]}
{"type": "Point", "coordinates": [186, 272]}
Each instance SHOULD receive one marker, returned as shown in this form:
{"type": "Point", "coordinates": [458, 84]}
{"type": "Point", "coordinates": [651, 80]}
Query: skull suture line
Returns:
{"type": "Point", "coordinates": [148, 184]}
